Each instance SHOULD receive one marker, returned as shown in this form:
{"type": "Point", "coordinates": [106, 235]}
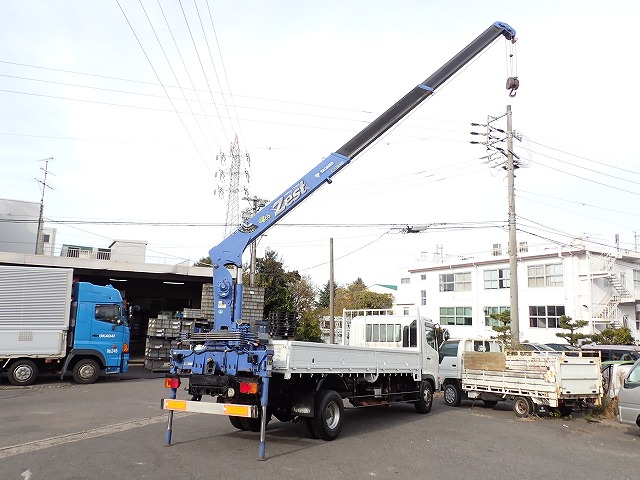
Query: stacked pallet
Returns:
{"type": "Point", "coordinates": [206, 302]}
{"type": "Point", "coordinates": [163, 334]}
{"type": "Point", "coordinates": [282, 326]}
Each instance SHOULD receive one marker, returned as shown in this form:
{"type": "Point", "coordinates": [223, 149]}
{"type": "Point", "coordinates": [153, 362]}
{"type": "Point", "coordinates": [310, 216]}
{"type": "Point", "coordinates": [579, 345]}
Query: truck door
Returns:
{"type": "Point", "coordinates": [430, 352]}
{"type": "Point", "coordinates": [101, 327]}
{"type": "Point", "coordinates": [449, 360]}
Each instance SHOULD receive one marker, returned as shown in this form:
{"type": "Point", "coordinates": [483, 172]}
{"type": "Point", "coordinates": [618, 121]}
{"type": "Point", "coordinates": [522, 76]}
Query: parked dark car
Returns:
{"type": "Point", "coordinates": [538, 349]}
{"type": "Point", "coordinates": [613, 353]}
{"type": "Point", "coordinates": [562, 347]}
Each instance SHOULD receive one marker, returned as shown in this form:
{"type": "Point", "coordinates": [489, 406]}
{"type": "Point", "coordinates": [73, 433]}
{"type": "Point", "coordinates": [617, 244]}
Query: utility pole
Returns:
{"type": "Point", "coordinates": [495, 158]}
{"type": "Point", "coordinates": [332, 322]}
{"type": "Point", "coordinates": [513, 246]}
{"type": "Point", "coordinates": [39, 235]}
{"type": "Point", "coordinates": [256, 205]}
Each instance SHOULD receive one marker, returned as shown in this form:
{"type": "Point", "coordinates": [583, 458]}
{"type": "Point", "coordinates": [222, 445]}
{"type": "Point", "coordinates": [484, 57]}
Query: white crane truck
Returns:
{"type": "Point", "coordinates": [478, 368]}
{"type": "Point", "coordinates": [250, 377]}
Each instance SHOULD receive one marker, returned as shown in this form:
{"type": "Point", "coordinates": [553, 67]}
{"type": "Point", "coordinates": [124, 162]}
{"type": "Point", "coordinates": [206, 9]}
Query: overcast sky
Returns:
{"type": "Point", "coordinates": [134, 101]}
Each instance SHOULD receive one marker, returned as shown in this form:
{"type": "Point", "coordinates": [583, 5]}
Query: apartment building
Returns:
{"type": "Point", "coordinates": [461, 293]}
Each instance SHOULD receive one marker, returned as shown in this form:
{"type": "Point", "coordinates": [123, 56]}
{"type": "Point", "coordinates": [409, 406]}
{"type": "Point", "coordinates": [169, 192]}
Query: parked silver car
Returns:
{"type": "Point", "coordinates": [629, 397]}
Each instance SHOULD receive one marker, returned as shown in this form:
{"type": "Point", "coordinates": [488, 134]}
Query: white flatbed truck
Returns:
{"type": "Point", "coordinates": [478, 368]}
{"type": "Point", "coordinates": [389, 359]}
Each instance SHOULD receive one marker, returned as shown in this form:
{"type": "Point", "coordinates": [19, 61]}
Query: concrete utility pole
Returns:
{"type": "Point", "coordinates": [39, 236]}
{"type": "Point", "coordinates": [495, 158]}
{"type": "Point", "coordinates": [256, 205]}
{"type": "Point", "coordinates": [513, 245]}
{"type": "Point", "coordinates": [332, 322]}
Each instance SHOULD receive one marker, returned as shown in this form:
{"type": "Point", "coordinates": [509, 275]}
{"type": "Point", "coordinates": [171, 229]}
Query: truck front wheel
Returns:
{"type": "Point", "coordinates": [23, 373]}
{"type": "Point", "coordinates": [327, 421]}
{"type": "Point", "coordinates": [86, 371]}
{"type": "Point", "coordinates": [423, 405]}
{"type": "Point", "coordinates": [452, 394]}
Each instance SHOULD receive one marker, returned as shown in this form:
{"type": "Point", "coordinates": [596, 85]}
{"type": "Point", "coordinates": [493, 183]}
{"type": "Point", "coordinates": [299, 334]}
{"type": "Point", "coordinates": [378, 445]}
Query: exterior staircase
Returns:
{"type": "Point", "coordinates": [607, 312]}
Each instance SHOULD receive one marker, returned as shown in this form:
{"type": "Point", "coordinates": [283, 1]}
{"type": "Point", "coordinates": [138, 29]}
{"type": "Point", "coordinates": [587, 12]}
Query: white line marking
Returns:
{"type": "Point", "coordinates": [12, 450]}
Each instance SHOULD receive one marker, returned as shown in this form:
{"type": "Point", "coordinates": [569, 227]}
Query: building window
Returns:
{"type": "Point", "coordinates": [497, 250]}
{"type": "Point", "coordinates": [498, 278]}
{"type": "Point", "coordinates": [455, 282]}
{"type": "Point", "coordinates": [545, 275]}
{"type": "Point", "coordinates": [545, 317]}
{"type": "Point", "coordinates": [405, 281]}
{"type": "Point", "coordinates": [455, 316]}
{"type": "Point", "coordinates": [636, 279]}
{"type": "Point", "coordinates": [423, 297]}
{"type": "Point", "coordinates": [490, 322]}
{"type": "Point", "coordinates": [405, 310]}
{"type": "Point", "coordinates": [423, 276]}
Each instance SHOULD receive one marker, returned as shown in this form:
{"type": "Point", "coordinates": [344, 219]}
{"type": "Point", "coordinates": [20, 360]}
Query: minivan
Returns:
{"type": "Point", "coordinates": [614, 353]}
{"type": "Point", "coordinates": [629, 397]}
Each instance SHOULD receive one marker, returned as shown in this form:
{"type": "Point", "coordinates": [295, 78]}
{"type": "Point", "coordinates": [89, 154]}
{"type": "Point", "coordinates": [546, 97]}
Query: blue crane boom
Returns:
{"type": "Point", "coordinates": [232, 349]}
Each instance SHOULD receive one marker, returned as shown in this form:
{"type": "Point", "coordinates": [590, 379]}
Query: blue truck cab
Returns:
{"type": "Point", "coordinates": [99, 336]}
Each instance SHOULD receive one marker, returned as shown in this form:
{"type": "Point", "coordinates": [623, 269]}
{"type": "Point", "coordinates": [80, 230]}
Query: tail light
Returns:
{"type": "Point", "coordinates": [172, 382]}
{"type": "Point", "coordinates": [248, 387]}
{"type": "Point", "coordinates": [125, 348]}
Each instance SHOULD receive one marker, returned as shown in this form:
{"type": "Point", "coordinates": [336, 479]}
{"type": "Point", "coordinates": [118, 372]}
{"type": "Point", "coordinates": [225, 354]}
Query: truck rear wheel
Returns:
{"type": "Point", "coordinates": [424, 403]}
{"type": "Point", "coordinates": [23, 373]}
{"type": "Point", "coordinates": [522, 407]}
{"type": "Point", "coordinates": [452, 394]}
{"type": "Point", "coordinates": [86, 371]}
{"type": "Point", "coordinates": [235, 421]}
{"type": "Point", "coordinates": [327, 421]}
{"type": "Point", "coordinates": [307, 427]}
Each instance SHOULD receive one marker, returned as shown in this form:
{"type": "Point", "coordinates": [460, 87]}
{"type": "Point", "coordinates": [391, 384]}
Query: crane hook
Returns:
{"type": "Point", "coordinates": [512, 84]}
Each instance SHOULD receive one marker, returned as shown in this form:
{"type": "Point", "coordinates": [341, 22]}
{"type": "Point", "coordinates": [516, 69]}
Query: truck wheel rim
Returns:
{"type": "Point", "coordinates": [23, 373]}
{"type": "Point", "coordinates": [521, 407]}
{"type": "Point", "coordinates": [427, 396]}
{"type": "Point", "coordinates": [449, 395]}
{"type": "Point", "coordinates": [87, 371]}
{"type": "Point", "coordinates": [332, 415]}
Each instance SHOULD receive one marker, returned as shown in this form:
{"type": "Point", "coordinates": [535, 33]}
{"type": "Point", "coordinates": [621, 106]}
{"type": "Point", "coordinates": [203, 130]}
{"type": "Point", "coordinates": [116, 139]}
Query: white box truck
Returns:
{"type": "Point", "coordinates": [49, 323]}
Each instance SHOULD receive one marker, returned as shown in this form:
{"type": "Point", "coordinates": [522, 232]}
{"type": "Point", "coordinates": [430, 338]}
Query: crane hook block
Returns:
{"type": "Point", "coordinates": [512, 84]}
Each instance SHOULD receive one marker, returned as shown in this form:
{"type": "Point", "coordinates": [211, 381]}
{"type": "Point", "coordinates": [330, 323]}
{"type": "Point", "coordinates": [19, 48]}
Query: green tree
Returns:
{"type": "Point", "coordinates": [503, 330]}
{"type": "Point", "coordinates": [303, 293]}
{"type": "Point", "coordinates": [613, 336]}
{"type": "Point", "coordinates": [324, 296]}
{"type": "Point", "coordinates": [309, 328]}
{"type": "Point", "coordinates": [203, 262]}
{"type": "Point", "coordinates": [271, 276]}
{"type": "Point", "coordinates": [367, 299]}
{"type": "Point", "coordinates": [567, 323]}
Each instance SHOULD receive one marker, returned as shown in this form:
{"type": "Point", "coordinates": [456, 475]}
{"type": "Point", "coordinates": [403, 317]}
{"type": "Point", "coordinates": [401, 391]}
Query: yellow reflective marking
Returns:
{"type": "Point", "coordinates": [237, 410]}
{"type": "Point", "coordinates": [175, 405]}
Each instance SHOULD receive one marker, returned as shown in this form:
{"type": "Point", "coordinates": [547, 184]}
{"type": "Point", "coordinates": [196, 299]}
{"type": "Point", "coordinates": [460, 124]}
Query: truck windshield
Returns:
{"type": "Point", "coordinates": [110, 314]}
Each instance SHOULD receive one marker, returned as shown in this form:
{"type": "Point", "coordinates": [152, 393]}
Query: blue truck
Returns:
{"type": "Point", "coordinates": [250, 377]}
{"type": "Point", "coordinates": [48, 323]}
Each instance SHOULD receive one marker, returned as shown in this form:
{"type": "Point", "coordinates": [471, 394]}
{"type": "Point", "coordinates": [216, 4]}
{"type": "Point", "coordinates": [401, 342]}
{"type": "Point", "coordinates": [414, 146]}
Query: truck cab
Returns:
{"type": "Point", "coordinates": [451, 360]}
{"type": "Point", "coordinates": [100, 333]}
{"type": "Point", "coordinates": [397, 331]}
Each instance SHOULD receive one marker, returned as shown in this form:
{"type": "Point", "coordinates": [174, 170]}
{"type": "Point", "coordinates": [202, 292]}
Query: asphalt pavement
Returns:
{"type": "Point", "coordinates": [114, 429]}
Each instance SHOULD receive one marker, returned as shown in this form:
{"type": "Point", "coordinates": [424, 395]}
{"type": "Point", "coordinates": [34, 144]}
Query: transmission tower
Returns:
{"type": "Point", "coordinates": [230, 190]}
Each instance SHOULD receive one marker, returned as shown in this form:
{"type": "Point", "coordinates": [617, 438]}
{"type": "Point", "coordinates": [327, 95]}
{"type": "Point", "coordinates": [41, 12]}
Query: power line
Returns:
{"type": "Point", "coordinates": [165, 90]}
{"type": "Point", "coordinates": [584, 158]}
